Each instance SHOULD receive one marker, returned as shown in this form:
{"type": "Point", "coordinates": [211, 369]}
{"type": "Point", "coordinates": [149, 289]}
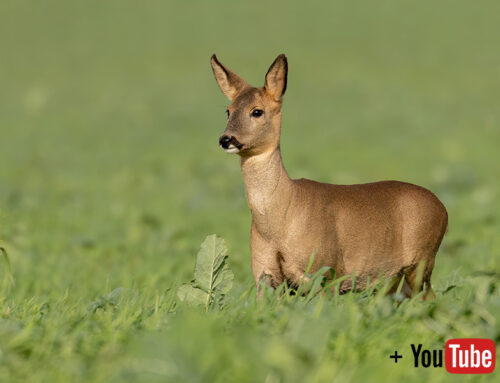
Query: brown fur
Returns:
{"type": "Point", "coordinates": [381, 229]}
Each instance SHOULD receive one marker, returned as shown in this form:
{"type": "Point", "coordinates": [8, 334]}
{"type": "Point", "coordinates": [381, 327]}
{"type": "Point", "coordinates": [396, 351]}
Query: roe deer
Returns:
{"type": "Point", "coordinates": [380, 229]}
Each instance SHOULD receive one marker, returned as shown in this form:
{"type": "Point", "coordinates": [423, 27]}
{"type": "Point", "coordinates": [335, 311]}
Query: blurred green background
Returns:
{"type": "Point", "coordinates": [111, 174]}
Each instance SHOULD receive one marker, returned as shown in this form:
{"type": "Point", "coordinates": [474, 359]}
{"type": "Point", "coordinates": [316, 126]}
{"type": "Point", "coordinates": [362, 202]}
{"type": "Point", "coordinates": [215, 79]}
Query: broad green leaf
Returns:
{"type": "Point", "coordinates": [223, 279]}
{"type": "Point", "coordinates": [192, 295]}
{"type": "Point", "coordinates": [209, 262]}
{"type": "Point", "coordinates": [213, 278]}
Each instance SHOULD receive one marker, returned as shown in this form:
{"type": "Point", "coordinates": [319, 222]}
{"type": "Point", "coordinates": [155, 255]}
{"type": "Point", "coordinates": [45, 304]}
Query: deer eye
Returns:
{"type": "Point", "coordinates": [227, 112]}
{"type": "Point", "coordinates": [257, 112]}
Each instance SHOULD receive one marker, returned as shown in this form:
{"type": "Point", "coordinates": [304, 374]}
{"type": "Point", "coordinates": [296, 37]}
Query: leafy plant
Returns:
{"type": "Point", "coordinates": [213, 278]}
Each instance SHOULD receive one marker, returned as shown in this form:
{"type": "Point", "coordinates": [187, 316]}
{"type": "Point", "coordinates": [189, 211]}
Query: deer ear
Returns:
{"type": "Point", "coordinates": [276, 77]}
{"type": "Point", "coordinates": [229, 82]}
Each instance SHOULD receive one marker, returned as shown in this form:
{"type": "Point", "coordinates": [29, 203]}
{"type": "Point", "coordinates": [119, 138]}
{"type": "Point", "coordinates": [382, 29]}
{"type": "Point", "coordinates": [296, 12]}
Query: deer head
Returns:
{"type": "Point", "coordinates": [254, 115]}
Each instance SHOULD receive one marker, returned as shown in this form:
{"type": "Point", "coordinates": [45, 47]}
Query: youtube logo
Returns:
{"type": "Point", "coordinates": [461, 356]}
{"type": "Point", "coordinates": [470, 356]}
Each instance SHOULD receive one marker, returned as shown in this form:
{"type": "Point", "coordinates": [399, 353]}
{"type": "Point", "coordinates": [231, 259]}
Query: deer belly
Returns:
{"type": "Point", "coordinates": [361, 255]}
{"type": "Point", "coordinates": [295, 263]}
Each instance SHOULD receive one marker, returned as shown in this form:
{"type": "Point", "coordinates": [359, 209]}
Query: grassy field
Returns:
{"type": "Point", "coordinates": [111, 177]}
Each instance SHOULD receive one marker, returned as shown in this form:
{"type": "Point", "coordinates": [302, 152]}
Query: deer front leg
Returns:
{"type": "Point", "coordinates": [265, 264]}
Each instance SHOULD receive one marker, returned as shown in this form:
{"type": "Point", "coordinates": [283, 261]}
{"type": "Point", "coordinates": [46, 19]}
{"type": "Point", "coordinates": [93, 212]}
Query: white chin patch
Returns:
{"type": "Point", "coordinates": [232, 149]}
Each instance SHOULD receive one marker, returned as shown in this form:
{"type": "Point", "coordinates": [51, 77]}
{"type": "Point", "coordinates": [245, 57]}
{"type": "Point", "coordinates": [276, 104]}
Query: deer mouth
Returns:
{"type": "Point", "coordinates": [230, 144]}
{"type": "Point", "coordinates": [232, 149]}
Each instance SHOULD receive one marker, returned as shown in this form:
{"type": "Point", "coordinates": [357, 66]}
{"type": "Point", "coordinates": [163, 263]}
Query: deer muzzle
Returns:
{"type": "Point", "coordinates": [230, 144]}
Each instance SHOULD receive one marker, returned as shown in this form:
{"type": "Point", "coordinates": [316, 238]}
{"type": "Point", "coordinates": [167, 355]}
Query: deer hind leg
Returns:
{"type": "Point", "coordinates": [406, 290]}
{"type": "Point", "coordinates": [418, 278]}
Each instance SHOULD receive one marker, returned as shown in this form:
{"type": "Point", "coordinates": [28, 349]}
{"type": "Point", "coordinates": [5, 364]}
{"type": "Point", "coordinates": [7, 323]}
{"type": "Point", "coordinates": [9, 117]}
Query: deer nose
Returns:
{"type": "Point", "coordinates": [224, 141]}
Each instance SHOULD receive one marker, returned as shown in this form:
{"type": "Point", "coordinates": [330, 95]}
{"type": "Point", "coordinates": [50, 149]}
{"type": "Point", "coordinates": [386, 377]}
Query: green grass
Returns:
{"type": "Point", "coordinates": [111, 177]}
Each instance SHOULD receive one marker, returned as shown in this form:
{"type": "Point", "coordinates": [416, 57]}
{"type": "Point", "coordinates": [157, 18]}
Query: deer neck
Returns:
{"type": "Point", "coordinates": [268, 188]}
